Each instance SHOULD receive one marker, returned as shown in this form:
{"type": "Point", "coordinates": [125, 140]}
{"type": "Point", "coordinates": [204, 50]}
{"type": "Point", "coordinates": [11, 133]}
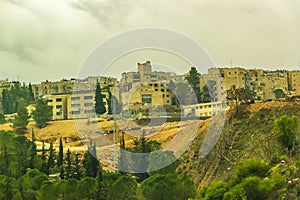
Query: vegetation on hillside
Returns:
{"type": "Point", "coordinates": [256, 157]}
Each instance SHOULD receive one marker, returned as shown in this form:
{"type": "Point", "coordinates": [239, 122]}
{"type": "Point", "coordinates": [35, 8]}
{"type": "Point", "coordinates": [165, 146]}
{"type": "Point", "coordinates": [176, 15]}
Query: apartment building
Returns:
{"type": "Point", "coordinates": [67, 86]}
{"type": "Point", "coordinates": [262, 83]}
{"type": "Point", "coordinates": [59, 103]}
{"type": "Point", "coordinates": [293, 82]}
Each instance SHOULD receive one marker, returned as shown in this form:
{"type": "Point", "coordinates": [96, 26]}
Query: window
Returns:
{"type": "Point", "coordinates": [58, 106]}
{"type": "Point", "coordinates": [88, 97]}
{"type": "Point", "coordinates": [168, 95]}
{"type": "Point", "coordinates": [58, 113]}
{"type": "Point", "coordinates": [58, 99]}
{"type": "Point", "coordinates": [75, 98]}
{"type": "Point", "coordinates": [50, 100]}
{"type": "Point", "coordinates": [75, 112]}
{"type": "Point", "coordinates": [147, 98]}
{"type": "Point", "coordinates": [88, 104]}
{"type": "Point", "coordinates": [88, 111]}
{"type": "Point", "coordinates": [75, 105]}
{"type": "Point", "coordinates": [162, 90]}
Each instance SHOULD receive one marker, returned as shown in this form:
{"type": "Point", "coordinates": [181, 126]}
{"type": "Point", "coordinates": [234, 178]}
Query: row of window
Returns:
{"type": "Point", "coordinates": [77, 112]}
{"type": "Point", "coordinates": [78, 98]}
{"type": "Point", "coordinates": [207, 106]}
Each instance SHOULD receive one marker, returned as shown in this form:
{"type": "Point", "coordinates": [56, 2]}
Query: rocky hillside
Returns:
{"type": "Point", "coordinates": [248, 134]}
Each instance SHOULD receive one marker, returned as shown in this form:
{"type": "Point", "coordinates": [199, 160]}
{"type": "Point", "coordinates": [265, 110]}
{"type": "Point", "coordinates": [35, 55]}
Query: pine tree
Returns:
{"type": "Point", "coordinates": [7, 102]}
{"type": "Point", "coordinates": [50, 162]}
{"type": "Point", "coordinates": [69, 164]}
{"type": "Point", "coordinates": [100, 193]}
{"type": "Point", "coordinates": [99, 104]}
{"type": "Point", "coordinates": [90, 162]}
{"type": "Point", "coordinates": [22, 117]}
{"type": "Point", "coordinates": [110, 104]}
{"type": "Point", "coordinates": [60, 159]}
{"type": "Point", "coordinates": [43, 156]}
{"type": "Point", "coordinates": [33, 151]}
{"type": "Point", "coordinates": [4, 164]}
{"type": "Point", "coordinates": [42, 113]}
{"type": "Point", "coordinates": [61, 153]}
{"type": "Point", "coordinates": [193, 79]}
{"type": "Point", "coordinates": [77, 169]}
{"type": "Point", "coordinates": [31, 95]}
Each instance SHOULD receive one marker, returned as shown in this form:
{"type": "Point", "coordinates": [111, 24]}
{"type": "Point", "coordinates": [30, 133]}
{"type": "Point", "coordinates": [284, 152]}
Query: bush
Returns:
{"type": "Point", "coordinates": [2, 118]}
{"type": "Point", "coordinates": [214, 191]}
{"type": "Point", "coordinates": [251, 167]}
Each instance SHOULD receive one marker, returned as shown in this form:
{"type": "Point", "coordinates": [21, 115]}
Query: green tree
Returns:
{"type": "Point", "coordinates": [251, 167]}
{"type": "Point", "coordinates": [69, 164]}
{"type": "Point", "coordinates": [287, 127]}
{"type": "Point", "coordinates": [279, 93]}
{"type": "Point", "coordinates": [77, 169]}
{"type": "Point", "coordinates": [124, 188]}
{"type": "Point", "coordinates": [194, 80]}
{"type": "Point", "coordinates": [50, 162]}
{"type": "Point", "coordinates": [31, 182]}
{"type": "Point", "coordinates": [49, 191]}
{"type": "Point", "coordinates": [139, 160]}
{"type": "Point", "coordinates": [90, 162]}
{"type": "Point", "coordinates": [21, 120]}
{"type": "Point", "coordinates": [2, 118]}
{"type": "Point", "coordinates": [170, 186]}
{"type": "Point", "coordinates": [7, 188]}
{"type": "Point", "coordinates": [33, 151]}
{"type": "Point", "coordinates": [7, 102]}
{"type": "Point", "coordinates": [99, 104]}
{"type": "Point", "coordinates": [42, 113]}
{"type": "Point", "coordinates": [215, 191]}
{"type": "Point", "coordinates": [60, 159]}
{"type": "Point", "coordinates": [30, 93]}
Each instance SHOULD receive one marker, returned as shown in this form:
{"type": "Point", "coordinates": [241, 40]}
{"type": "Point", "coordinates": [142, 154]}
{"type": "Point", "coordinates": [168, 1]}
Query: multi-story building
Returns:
{"type": "Point", "coordinates": [59, 102]}
{"type": "Point", "coordinates": [293, 82]}
{"type": "Point", "coordinates": [262, 83]}
{"type": "Point", "coordinates": [203, 109]}
{"type": "Point", "coordinates": [67, 86]}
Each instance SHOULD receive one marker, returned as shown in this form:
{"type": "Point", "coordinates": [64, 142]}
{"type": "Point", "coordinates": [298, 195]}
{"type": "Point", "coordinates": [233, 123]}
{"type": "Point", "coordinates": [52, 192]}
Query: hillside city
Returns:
{"type": "Point", "coordinates": [136, 91]}
{"type": "Point", "coordinates": [232, 133]}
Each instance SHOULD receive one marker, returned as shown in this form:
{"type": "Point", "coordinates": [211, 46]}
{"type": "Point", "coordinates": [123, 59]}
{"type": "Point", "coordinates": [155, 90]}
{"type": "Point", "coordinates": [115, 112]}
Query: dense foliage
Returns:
{"type": "Point", "coordinates": [28, 172]}
{"type": "Point", "coordinates": [42, 113]}
{"type": "Point", "coordinates": [11, 96]}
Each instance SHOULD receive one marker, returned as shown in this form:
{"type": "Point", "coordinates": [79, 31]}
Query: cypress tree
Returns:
{"type": "Point", "coordinates": [31, 95]}
{"type": "Point", "coordinates": [61, 153]}
{"type": "Point", "coordinates": [69, 164]}
{"type": "Point", "coordinates": [90, 162]}
{"type": "Point", "coordinates": [99, 104]}
{"type": "Point", "coordinates": [77, 170]}
{"type": "Point", "coordinates": [60, 160]}
{"type": "Point", "coordinates": [33, 151]}
{"type": "Point", "coordinates": [50, 162]}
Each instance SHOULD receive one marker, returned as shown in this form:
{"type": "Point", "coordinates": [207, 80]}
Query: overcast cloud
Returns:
{"type": "Point", "coordinates": [50, 39]}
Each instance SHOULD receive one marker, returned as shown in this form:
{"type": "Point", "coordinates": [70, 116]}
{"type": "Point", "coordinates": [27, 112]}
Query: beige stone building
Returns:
{"type": "Point", "coordinates": [67, 86]}
{"type": "Point", "coordinates": [293, 82]}
{"type": "Point", "coordinates": [262, 83]}
{"type": "Point", "coordinates": [59, 104]}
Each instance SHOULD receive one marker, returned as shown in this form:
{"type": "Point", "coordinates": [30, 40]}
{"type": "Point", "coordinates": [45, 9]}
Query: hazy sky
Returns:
{"type": "Point", "coordinates": [49, 39]}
